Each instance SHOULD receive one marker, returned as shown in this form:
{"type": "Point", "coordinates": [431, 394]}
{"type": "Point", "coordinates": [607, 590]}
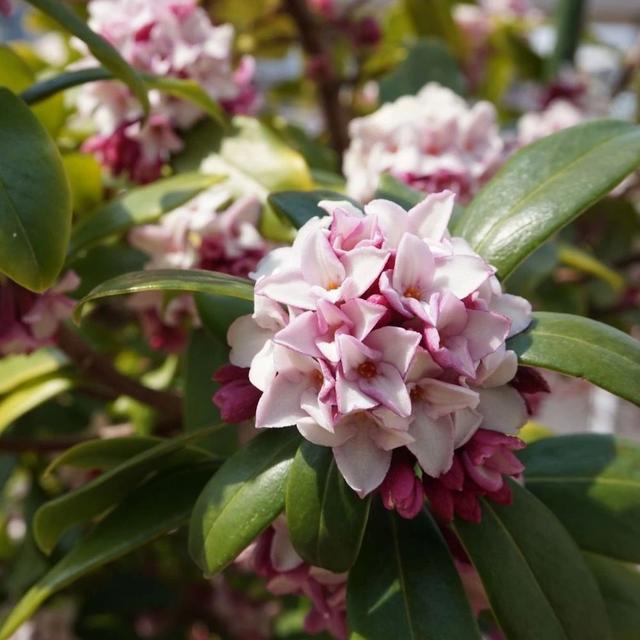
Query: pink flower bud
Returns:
{"type": "Point", "coordinates": [402, 489]}
{"type": "Point", "coordinates": [237, 398]}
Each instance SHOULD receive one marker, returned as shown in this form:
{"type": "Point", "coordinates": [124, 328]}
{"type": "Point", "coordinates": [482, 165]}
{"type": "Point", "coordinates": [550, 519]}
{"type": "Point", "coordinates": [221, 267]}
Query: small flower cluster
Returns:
{"type": "Point", "coordinates": [273, 557]}
{"type": "Point", "coordinates": [205, 233]}
{"type": "Point", "coordinates": [30, 320]}
{"type": "Point", "coordinates": [431, 141]}
{"type": "Point", "coordinates": [379, 334]}
{"type": "Point", "coordinates": [166, 38]}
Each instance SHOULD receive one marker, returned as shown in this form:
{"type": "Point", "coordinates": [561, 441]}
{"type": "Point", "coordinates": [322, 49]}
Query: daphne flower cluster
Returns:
{"type": "Point", "coordinates": [206, 233]}
{"type": "Point", "coordinates": [273, 557]}
{"type": "Point", "coordinates": [431, 141]}
{"type": "Point", "coordinates": [30, 320]}
{"type": "Point", "coordinates": [379, 333]}
{"type": "Point", "coordinates": [166, 38]}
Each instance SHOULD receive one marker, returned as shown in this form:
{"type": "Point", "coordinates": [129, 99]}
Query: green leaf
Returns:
{"type": "Point", "coordinates": [108, 453]}
{"type": "Point", "coordinates": [592, 484]}
{"type": "Point", "coordinates": [582, 348]}
{"type": "Point", "coordinates": [619, 585]}
{"type": "Point", "coordinates": [241, 499]}
{"type": "Point", "coordinates": [177, 87]}
{"type": "Point", "coordinates": [97, 495]}
{"type": "Point", "coordinates": [35, 202]}
{"type": "Point", "coordinates": [141, 205]}
{"type": "Point", "coordinates": [588, 263]}
{"type": "Point", "coordinates": [182, 280]}
{"type": "Point", "coordinates": [390, 188]}
{"type": "Point", "coordinates": [405, 585]}
{"type": "Point", "coordinates": [428, 60]}
{"type": "Point", "coordinates": [98, 46]}
{"type": "Point", "coordinates": [534, 575]}
{"type": "Point", "coordinates": [141, 518]}
{"type": "Point", "coordinates": [570, 20]}
{"type": "Point", "coordinates": [30, 395]}
{"type": "Point", "coordinates": [15, 370]}
{"type": "Point", "coordinates": [325, 517]}
{"type": "Point", "coordinates": [218, 312]}
{"type": "Point", "coordinates": [298, 207]}
{"type": "Point", "coordinates": [546, 185]}
{"type": "Point", "coordinates": [85, 180]}
{"type": "Point", "coordinates": [435, 18]}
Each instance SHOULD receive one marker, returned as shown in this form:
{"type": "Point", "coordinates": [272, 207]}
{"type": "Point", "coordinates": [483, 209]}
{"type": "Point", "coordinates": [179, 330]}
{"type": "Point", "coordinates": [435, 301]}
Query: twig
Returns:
{"type": "Point", "coordinates": [328, 84]}
{"type": "Point", "coordinates": [100, 370]}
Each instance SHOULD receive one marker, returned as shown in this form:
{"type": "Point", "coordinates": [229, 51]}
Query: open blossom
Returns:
{"type": "Point", "coordinates": [166, 38]}
{"type": "Point", "coordinates": [30, 320]}
{"type": "Point", "coordinates": [205, 233]}
{"type": "Point", "coordinates": [273, 557]}
{"type": "Point", "coordinates": [381, 336]}
{"type": "Point", "coordinates": [431, 141]}
{"type": "Point", "coordinates": [560, 114]}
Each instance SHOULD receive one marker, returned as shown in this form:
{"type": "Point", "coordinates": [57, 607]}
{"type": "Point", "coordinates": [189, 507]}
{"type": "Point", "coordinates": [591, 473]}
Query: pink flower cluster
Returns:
{"type": "Point", "coordinates": [166, 38]}
{"type": "Point", "coordinates": [431, 141]}
{"type": "Point", "coordinates": [378, 333]}
{"type": "Point", "coordinates": [206, 233]}
{"type": "Point", "coordinates": [30, 320]}
{"type": "Point", "coordinates": [273, 557]}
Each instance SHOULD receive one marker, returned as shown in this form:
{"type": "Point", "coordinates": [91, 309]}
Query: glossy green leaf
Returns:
{"type": "Point", "coordinates": [592, 484]}
{"type": "Point", "coordinates": [35, 202]}
{"type": "Point", "coordinates": [582, 348]}
{"type": "Point", "coordinates": [242, 499]}
{"type": "Point", "coordinates": [103, 454]}
{"type": "Point", "coordinates": [85, 180]}
{"type": "Point", "coordinates": [619, 585]}
{"type": "Point", "coordinates": [534, 575]}
{"type": "Point", "coordinates": [98, 46]}
{"type": "Point", "coordinates": [141, 518]}
{"type": "Point", "coordinates": [570, 21]}
{"type": "Point", "coordinates": [177, 87]}
{"type": "Point", "coordinates": [96, 496]}
{"type": "Point", "coordinates": [182, 280]}
{"type": "Point", "coordinates": [298, 207]}
{"type": "Point", "coordinates": [325, 517]}
{"type": "Point", "coordinates": [546, 185]}
{"type": "Point", "coordinates": [405, 585]}
{"type": "Point", "coordinates": [428, 60]}
{"type": "Point", "coordinates": [218, 312]}
{"type": "Point", "coordinates": [15, 370]}
{"type": "Point", "coordinates": [141, 205]}
{"type": "Point", "coordinates": [30, 395]}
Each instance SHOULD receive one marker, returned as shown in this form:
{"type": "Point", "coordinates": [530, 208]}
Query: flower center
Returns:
{"type": "Point", "coordinates": [317, 379]}
{"type": "Point", "coordinates": [332, 285]}
{"type": "Point", "coordinates": [413, 292]}
{"type": "Point", "coordinates": [367, 369]}
{"type": "Point", "coordinates": [416, 394]}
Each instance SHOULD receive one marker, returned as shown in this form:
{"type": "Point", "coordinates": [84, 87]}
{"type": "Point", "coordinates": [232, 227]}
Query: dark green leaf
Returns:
{"type": "Point", "coordinates": [405, 585]}
{"type": "Point", "coordinates": [298, 207]}
{"type": "Point", "coordinates": [326, 518]}
{"type": "Point", "coordinates": [390, 188]}
{"type": "Point", "coordinates": [545, 186]}
{"type": "Point", "coordinates": [570, 21]}
{"type": "Point", "coordinates": [534, 575]}
{"type": "Point", "coordinates": [141, 518]}
{"type": "Point", "coordinates": [182, 280]}
{"type": "Point", "coordinates": [141, 205]}
{"type": "Point", "coordinates": [218, 312]}
{"type": "Point", "coordinates": [592, 484]}
{"type": "Point", "coordinates": [428, 60]}
{"type": "Point", "coordinates": [98, 46]}
{"type": "Point", "coordinates": [582, 348]}
{"type": "Point", "coordinates": [109, 488]}
{"type": "Point", "coordinates": [35, 201]}
{"type": "Point", "coordinates": [241, 499]}
{"type": "Point", "coordinates": [435, 18]}
{"type": "Point", "coordinates": [619, 585]}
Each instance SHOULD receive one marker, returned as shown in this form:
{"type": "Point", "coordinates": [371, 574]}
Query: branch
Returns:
{"type": "Point", "coordinates": [100, 370]}
{"type": "Point", "coordinates": [328, 84]}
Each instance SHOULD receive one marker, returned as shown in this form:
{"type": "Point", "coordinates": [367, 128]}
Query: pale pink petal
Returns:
{"type": "Point", "coordinates": [498, 368]}
{"type": "Point", "coordinates": [398, 346]}
{"type": "Point", "coordinates": [282, 554]}
{"type": "Point", "coordinates": [263, 368]}
{"type": "Point", "coordinates": [319, 264]}
{"type": "Point", "coordinates": [279, 405]}
{"type": "Point", "coordinates": [388, 388]}
{"type": "Point", "coordinates": [353, 353]}
{"type": "Point", "coordinates": [485, 332]}
{"type": "Point", "coordinates": [465, 423]}
{"type": "Point", "coordinates": [300, 334]}
{"type": "Point", "coordinates": [363, 315]}
{"type": "Point", "coordinates": [502, 409]}
{"type": "Point", "coordinates": [429, 218]}
{"type": "Point", "coordinates": [362, 267]}
{"type": "Point", "coordinates": [287, 287]}
{"type": "Point", "coordinates": [433, 443]}
{"type": "Point", "coordinates": [392, 220]}
{"type": "Point", "coordinates": [362, 464]}
{"type": "Point", "coordinates": [413, 270]}
{"type": "Point", "coordinates": [423, 366]}
{"type": "Point", "coordinates": [444, 397]}
{"type": "Point", "coordinates": [314, 433]}
{"type": "Point", "coordinates": [350, 397]}
{"type": "Point", "coordinates": [517, 309]}
{"type": "Point", "coordinates": [461, 275]}
{"type": "Point", "coordinates": [247, 339]}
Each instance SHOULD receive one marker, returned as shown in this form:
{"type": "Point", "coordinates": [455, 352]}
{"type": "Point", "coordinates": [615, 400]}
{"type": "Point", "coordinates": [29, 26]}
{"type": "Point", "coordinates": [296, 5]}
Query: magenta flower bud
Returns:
{"type": "Point", "coordinates": [366, 32]}
{"type": "Point", "coordinates": [237, 398]}
{"type": "Point", "coordinates": [402, 489]}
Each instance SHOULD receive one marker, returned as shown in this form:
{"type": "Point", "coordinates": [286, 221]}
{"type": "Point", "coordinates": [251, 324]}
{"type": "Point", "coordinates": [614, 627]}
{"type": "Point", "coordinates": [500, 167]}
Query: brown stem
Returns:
{"type": "Point", "coordinates": [100, 370]}
{"type": "Point", "coordinates": [328, 84]}
{"type": "Point", "coordinates": [11, 445]}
